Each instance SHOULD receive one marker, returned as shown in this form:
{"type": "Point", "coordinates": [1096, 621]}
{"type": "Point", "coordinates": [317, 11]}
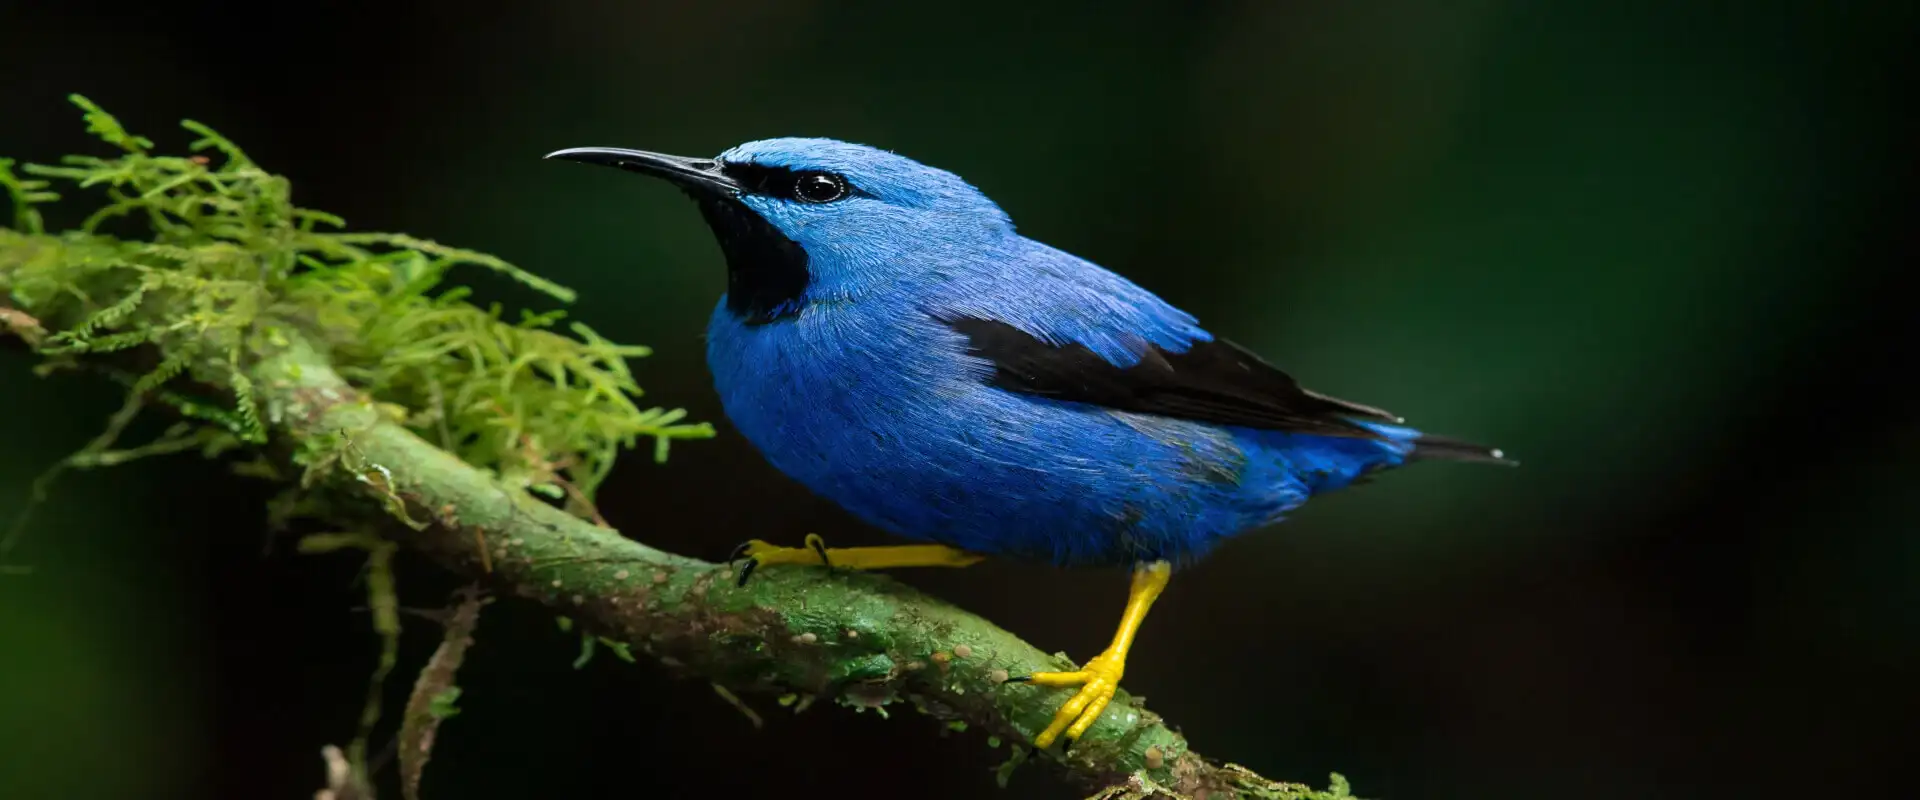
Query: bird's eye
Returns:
{"type": "Point", "coordinates": [819, 187]}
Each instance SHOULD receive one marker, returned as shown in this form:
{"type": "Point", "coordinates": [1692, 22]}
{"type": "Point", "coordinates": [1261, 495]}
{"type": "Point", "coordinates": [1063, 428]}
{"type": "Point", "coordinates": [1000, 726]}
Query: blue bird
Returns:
{"type": "Point", "coordinates": [888, 340]}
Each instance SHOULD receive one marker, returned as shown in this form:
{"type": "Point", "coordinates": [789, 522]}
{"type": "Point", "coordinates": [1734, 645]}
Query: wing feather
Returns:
{"type": "Point", "coordinates": [1213, 381]}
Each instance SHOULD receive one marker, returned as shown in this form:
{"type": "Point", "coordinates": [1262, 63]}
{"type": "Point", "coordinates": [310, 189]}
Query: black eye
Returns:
{"type": "Point", "coordinates": [819, 187]}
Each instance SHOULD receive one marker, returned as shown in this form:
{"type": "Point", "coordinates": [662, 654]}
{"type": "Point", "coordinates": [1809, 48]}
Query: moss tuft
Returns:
{"type": "Point", "coordinates": [222, 264]}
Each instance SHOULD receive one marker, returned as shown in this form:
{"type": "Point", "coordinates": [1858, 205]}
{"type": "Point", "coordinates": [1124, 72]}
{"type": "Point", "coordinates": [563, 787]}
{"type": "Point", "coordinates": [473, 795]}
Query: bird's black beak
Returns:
{"type": "Point", "coordinates": [700, 176]}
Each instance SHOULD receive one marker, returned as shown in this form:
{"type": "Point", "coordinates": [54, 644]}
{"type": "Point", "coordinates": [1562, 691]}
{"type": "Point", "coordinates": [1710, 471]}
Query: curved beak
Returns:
{"type": "Point", "coordinates": [695, 175]}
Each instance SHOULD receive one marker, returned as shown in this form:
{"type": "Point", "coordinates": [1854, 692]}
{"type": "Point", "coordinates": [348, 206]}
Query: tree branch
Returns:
{"type": "Point", "coordinates": [860, 639]}
{"type": "Point", "coordinates": [240, 296]}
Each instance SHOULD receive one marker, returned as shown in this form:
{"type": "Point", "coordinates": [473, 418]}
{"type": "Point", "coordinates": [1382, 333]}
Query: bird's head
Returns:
{"type": "Point", "coordinates": [803, 220]}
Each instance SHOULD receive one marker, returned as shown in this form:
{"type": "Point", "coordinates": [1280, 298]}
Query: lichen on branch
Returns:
{"type": "Point", "coordinates": [390, 404]}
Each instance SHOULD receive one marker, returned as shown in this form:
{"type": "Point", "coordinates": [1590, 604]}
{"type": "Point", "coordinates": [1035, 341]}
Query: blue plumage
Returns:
{"type": "Point", "coordinates": [874, 404]}
{"type": "Point", "coordinates": [888, 340]}
{"type": "Point", "coordinates": [1097, 425]}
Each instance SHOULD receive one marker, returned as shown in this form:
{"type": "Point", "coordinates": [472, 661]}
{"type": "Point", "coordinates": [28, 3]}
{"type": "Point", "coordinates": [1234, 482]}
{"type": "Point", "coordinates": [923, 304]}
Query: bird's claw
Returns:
{"type": "Point", "coordinates": [1098, 681]}
{"type": "Point", "coordinates": [758, 553]}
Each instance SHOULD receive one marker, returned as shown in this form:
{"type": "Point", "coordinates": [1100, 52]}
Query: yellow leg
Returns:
{"type": "Point", "coordinates": [1101, 675]}
{"type": "Point", "coordinates": [759, 554]}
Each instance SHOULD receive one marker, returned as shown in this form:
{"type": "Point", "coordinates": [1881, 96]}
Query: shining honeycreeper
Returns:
{"type": "Point", "coordinates": [888, 340]}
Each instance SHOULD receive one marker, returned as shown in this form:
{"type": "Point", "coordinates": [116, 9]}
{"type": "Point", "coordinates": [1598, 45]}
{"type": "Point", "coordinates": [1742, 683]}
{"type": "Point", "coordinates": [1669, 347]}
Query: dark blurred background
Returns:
{"type": "Point", "coordinates": [1648, 249]}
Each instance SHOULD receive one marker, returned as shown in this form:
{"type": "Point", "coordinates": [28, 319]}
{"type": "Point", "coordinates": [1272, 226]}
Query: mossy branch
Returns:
{"type": "Point", "coordinates": [333, 361]}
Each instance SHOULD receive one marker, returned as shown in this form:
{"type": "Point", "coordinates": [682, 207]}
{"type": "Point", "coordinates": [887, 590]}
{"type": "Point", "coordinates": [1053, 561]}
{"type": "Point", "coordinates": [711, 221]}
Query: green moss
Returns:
{"type": "Point", "coordinates": [221, 263]}
{"type": "Point", "coordinates": [204, 262]}
{"type": "Point", "coordinates": [385, 389]}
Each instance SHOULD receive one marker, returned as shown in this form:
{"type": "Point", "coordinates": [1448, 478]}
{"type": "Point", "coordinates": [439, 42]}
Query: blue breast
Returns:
{"type": "Point", "coordinates": [874, 405]}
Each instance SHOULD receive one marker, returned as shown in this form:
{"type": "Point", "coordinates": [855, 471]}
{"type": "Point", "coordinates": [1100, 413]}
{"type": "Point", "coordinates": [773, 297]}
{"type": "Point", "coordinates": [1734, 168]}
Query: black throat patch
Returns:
{"type": "Point", "coordinates": [766, 271]}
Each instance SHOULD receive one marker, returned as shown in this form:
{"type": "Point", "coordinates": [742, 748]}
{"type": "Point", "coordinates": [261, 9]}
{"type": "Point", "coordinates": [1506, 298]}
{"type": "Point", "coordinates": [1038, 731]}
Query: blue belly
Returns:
{"type": "Point", "coordinates": [900, 430]}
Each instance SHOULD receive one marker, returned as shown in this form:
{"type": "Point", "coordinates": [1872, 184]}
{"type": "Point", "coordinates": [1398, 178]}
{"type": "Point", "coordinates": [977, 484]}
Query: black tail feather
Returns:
{"type": "Point", "coordinates": [1442, 448]}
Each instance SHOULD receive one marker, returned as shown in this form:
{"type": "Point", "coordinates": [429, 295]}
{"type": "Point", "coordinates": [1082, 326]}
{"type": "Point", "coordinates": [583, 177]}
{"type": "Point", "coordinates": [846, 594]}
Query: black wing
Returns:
{"type": "Point", "coordinates": [1216, 382]}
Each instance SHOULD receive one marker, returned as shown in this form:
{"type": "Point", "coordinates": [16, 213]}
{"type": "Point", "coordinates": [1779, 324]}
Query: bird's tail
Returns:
{"type": "Point", "coordinates": [1427, 447]}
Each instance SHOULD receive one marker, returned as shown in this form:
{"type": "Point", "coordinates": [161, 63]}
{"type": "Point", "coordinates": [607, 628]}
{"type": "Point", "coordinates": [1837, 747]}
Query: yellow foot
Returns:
{"type": "Point", "coordinates": [1101, 676]}
{"type": "Point", "coordinates": [758, 554]}
{"type": "Point", "coordinates": [1097, 681]}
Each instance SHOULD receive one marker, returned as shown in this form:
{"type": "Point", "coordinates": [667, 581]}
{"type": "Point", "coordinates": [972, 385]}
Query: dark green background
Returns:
{"type": "Point", "coordinates": [1649, 250]}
